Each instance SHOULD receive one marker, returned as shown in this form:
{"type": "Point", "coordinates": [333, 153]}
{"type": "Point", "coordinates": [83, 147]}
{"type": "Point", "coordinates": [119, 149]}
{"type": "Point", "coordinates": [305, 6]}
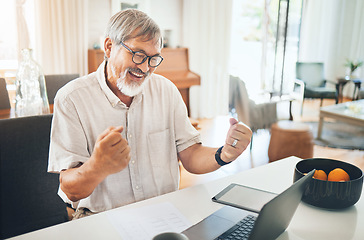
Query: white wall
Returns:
{"type": "Point", "coordinates": [99, 13]}
{"type": "Point", "coordinates": [166, 13]}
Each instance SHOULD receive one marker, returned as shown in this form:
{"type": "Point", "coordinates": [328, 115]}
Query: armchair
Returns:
{"type": "Point", "coordinates": [310, 77]}
{"type": "Point", "coordinates": [256, 115]}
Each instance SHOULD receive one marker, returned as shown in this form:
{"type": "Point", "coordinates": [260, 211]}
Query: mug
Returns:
{"type": "Point", "coordinates": [170, 236]}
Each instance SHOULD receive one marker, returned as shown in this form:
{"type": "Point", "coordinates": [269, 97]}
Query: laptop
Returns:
{"type": "Point", "coordinates": [272, 220]}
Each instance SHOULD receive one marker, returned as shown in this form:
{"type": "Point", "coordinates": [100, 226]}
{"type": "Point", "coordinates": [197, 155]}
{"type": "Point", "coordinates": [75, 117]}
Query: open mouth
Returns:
{"type": "Point", "coordinates": [136, 74]}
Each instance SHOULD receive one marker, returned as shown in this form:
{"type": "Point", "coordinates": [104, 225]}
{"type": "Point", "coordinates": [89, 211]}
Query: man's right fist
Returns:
{"type": "Point", "coordinates": [112, 152]}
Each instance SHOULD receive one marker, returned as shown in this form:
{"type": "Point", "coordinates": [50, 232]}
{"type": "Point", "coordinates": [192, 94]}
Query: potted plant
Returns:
{"type": "Point", "coordinates": [353, 65]}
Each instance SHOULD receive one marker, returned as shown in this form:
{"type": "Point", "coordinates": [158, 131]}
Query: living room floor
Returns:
{"type": "Point", "coordinates": [213, 134]}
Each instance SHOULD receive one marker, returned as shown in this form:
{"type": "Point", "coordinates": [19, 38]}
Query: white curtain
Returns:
{"type": "Point", "coordinates": [61, 36]}
{"type": "Point", "coordinates": [22, 27]}
{"type": "Point", "coordinates": [206, 33]}
{"type": "Point", "coordinates": [332, 31]}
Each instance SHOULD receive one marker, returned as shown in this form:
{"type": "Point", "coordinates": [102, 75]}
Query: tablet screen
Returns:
{"type": "Point", "coordinates": [244, 197]}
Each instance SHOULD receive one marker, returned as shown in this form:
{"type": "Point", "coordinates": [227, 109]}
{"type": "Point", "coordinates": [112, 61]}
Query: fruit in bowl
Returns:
{"type": "Point", "coordinates": [336, 175]}
{"type": "Point", "coordinates": [320, 174]}
{"type": "Point", "coordinates": [340, 188]}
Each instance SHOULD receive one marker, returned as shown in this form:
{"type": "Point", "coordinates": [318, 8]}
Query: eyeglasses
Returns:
{"type": "Point", "coordinates": [141, 57]}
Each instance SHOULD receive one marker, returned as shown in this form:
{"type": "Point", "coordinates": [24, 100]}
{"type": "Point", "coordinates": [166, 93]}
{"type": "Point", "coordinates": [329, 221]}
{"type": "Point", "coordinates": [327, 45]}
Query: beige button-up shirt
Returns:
{"type": "Point", "coordinates": [156, 127]}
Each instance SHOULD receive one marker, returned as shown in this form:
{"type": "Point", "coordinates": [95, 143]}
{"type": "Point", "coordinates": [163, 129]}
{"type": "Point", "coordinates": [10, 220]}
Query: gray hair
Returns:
{"type": "Point", "coordinates": [132, 23]}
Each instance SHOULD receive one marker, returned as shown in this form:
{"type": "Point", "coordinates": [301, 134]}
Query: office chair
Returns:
{"type": "Point", "coordinates": [4, 95]}
{"type": "Point", "coordinates": [311, 76]}
{"type": "Point", "coordinates": [55, 82]}
{"type": "Point", "coordinates": [29, 199]}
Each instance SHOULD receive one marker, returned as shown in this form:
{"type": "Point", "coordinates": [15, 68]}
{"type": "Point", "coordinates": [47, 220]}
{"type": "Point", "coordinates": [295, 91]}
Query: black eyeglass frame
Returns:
{"type": "Point", "coordinates": [146, 56]}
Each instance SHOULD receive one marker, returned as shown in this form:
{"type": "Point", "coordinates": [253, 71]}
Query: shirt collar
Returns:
{"type": "Point", "coordinates": [113, 99]}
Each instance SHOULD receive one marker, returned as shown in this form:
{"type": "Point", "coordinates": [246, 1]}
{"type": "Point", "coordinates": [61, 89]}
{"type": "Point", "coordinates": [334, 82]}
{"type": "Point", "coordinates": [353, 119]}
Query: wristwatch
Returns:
{"type": "Point", "coordinates": [218, 157]}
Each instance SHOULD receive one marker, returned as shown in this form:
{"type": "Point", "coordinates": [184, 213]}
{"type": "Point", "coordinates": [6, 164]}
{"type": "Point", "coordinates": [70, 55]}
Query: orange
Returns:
{"type": "Point", "coordinates": [320, 174]}
{"type": "Point", "coordinates": [338, 175]}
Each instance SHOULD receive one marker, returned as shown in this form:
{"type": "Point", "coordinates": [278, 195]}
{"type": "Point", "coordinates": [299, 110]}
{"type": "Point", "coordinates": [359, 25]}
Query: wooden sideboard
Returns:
{"type": "Point", "coordinates": [10, 113]}
{"type": "Point", "coordinates": [175, 67]}
{"type": "Point", "coordinates": [95, 58]}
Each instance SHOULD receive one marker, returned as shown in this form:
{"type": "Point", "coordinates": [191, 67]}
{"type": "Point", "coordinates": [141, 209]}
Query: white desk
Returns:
{"type": "Point", "coordinates": [195, 203]}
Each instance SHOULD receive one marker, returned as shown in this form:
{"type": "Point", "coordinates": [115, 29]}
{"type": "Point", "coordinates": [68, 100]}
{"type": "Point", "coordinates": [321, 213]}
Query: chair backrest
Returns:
{"type": "Point", "coordinates": [255, 115]}
{"type": "Point", "coordinates": [55, 82]}
{"type": "Point", "coordinates": [239, 99]}
{"type": "Point", "coordinates": [29, 199]}
{"type": "Point", "coordinates": [311, 73]}
{"type": "Point", "coordinates": [4, 95]}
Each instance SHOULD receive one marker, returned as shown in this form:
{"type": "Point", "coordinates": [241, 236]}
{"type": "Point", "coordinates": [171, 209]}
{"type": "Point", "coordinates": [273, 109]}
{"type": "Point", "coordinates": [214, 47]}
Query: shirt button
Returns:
{"type": "Point", "coordinates": [129, 135]}
{"type": "Point", "coordinates": [136, 187]}
{"type": "Point", "coordinates": [133, 162]}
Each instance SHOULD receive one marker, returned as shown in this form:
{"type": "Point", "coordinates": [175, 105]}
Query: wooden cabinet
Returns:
{"type": "Point", "coordinates": [95, 58]}
{"type": "Point", "coordinates": [175, 67]}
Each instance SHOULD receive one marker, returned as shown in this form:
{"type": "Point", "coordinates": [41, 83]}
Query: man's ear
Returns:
{"type": "Point", "coordinates": [107, 46]}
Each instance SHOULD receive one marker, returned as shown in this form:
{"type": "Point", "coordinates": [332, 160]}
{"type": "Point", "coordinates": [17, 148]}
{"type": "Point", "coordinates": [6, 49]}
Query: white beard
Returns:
{"type": "Point", "coordinates": [129, 89]}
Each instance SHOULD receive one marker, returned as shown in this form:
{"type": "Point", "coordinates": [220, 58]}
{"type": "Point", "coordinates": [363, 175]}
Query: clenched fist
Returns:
{"type": "Point", "coordinates": [237, 140]}
{"type": "Point", "coordinates": [112, 152]}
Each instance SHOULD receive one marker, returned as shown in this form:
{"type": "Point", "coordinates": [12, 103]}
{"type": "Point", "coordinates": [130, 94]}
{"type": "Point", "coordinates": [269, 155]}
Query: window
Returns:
{"type": "Point", "coordinates": [9, 33]}
{"type": "Point", "coordinates": [257, 51]}
{"type": "Point", "coordinates": [8, 38]}
{"type": "Point", "coordinates": [9, 41]}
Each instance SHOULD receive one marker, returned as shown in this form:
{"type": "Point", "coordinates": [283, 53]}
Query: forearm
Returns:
{"type": "Point", "coordinates": [199, 159]}
{"type": "Point", "coordinates": [78, 183]}
{"type": "Point", "coordinates": [111, 155]}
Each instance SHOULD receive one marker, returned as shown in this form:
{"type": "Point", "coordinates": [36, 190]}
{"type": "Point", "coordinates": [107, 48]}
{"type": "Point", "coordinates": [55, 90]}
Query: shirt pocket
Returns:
{"type": "Point", "coordinates": [160, 147]}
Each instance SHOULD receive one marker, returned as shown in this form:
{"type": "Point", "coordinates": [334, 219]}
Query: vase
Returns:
{"type": "Point", "coordinates": [353, 76]}
{"type": "Point", "coordinates": [31, 94]}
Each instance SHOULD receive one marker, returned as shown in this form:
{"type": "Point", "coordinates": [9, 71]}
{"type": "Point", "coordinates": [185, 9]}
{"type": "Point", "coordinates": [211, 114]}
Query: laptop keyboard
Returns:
{"type": "Point", "coordinates": [241, 230]}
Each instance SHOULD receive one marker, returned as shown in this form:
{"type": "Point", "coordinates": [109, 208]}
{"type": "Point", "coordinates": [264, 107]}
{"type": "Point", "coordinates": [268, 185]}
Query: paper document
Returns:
{"type": "Point", "coordinates": [146, 222]}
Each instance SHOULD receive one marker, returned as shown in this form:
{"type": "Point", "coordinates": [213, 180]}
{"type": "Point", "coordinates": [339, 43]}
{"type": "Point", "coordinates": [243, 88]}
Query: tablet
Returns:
{"type": "Point", "coordinates": [244, 197]}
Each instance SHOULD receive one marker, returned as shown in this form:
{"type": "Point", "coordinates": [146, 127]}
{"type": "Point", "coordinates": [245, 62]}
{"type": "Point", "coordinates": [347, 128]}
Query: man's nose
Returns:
{"type": "Point", "coordinates": [144, 66]}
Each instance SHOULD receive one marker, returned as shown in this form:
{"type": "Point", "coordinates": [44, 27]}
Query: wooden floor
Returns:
{"type": "Point", "coordinates": [213, 133]}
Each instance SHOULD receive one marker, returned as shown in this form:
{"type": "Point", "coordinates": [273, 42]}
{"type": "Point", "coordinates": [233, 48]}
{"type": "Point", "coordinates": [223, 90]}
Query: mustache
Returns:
{"type": "Point", "coordinates": [138, 71]}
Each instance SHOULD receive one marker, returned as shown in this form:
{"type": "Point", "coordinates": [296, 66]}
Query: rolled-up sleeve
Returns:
{"type": "Point", "coordinates": [68, 145]}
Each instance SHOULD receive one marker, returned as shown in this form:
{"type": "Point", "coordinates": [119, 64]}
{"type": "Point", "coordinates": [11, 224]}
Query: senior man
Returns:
{"type": "Point", "coordinates": [118, 133]}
